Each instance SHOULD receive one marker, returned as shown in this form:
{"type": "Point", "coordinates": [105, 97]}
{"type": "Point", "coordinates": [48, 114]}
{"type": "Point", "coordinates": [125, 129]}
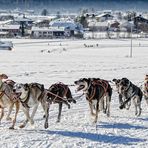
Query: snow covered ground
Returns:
{"type": "Point", "coordinates": [50, 61]}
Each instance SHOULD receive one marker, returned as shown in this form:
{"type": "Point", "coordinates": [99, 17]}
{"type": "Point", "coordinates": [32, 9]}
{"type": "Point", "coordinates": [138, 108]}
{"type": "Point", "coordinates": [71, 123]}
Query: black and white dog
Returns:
{"type": "Point", "coordinates": [96, 91]}
{"type": "Point", "coordinates": [60, 93]}
{"type": "Point", "coordinates": [131, 92]}
{"type": "Point", "coordinates": [122, 97]}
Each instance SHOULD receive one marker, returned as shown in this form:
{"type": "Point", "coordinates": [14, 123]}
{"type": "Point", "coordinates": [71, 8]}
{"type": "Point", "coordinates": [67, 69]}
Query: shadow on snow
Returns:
{"type": "Point", "coordinates": [113, 139]}
{"type": "Point", "coordinates": [120, 126]}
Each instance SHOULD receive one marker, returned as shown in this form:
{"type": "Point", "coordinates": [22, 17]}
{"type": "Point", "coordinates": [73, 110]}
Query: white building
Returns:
{"type": "Point", "coordinates": [49, 32]}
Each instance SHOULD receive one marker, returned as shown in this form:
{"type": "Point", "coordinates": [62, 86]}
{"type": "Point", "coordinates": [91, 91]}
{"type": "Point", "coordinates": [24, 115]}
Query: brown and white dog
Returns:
{"type": "Point", "coordinates": [145, 91]}
{"type": "Point", "coordinates": [61, 94]}
{"type": "Point", "coordinates": [30, 95]}
{"type": "Point", "coordinates": [6, 99]}
{"type": "Point", "coordinates": [96, 91]}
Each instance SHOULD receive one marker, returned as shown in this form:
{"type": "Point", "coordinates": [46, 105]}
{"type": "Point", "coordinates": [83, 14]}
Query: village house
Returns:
{"type": "Point", "coordinates": [49, 32]}
{"type": "Point", "coordinates": [69, 24]}
{"type": "Point", "coordinates": [9, 30]}
{"type": "Point", "coordinates": [141, 23]}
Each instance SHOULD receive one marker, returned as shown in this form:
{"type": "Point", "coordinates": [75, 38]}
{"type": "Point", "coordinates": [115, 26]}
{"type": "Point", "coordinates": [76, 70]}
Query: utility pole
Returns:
{"type": "Point", "coordinates": [131, 49]}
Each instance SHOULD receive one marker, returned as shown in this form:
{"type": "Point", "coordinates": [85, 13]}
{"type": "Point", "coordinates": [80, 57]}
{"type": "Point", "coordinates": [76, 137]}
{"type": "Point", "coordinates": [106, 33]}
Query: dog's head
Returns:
{"type": "Point", "coordinates": [3, 76]}
{"type": "Point", "coordinates": [20, 89]}
{"type": "Point", "coordinates": [124, 85]}
{"type": "Point", "coordinates": [83, 84]}
{"type": "Point", "coordinates": [117, 82]}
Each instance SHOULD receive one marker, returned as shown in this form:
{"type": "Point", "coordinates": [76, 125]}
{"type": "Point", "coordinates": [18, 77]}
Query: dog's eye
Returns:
{"type": "Point", "coordinates": [19, 87]}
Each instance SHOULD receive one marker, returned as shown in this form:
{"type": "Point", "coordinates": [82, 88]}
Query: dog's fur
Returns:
{"type": "Point", "coordinates": [96, 91]}
{"type": "Point", "coordinates": [131, 92]}
{"type": "Point", "coordinates": [145, 91]}
{"type": "Point", "coordinates": [60, 93]}
{"type": "Point", "coordinates": [30, 95]}
{"type": "Point", "coordinates": [122, 97]}
{"type": "Point", "coordinates": [6, 99]}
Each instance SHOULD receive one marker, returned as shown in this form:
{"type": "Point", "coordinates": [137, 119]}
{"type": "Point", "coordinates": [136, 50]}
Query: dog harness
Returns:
{"type": "Point", "coordinates": [102, 83]}
{"type": "Point", "coordinates": [56, 85]}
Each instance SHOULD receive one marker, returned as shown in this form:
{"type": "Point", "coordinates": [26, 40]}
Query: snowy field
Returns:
{"type": "Point", "coordinates": [51, 61]}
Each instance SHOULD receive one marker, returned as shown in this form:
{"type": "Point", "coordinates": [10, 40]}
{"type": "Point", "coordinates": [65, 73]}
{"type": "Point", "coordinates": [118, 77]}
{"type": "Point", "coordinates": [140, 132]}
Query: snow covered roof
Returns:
{"type": "Point", "coordinates": [104, 15]}
{"type": "Point", "coordinates": [10, 27]}
{"type": "Point", "coordinates": [64, 23]}
{"type": "Point", "coordinates": [98, 24]}
{"type": "Point", "coordinates": [5, 22]}
{"type": "Point", "coordinates": [48, 29]}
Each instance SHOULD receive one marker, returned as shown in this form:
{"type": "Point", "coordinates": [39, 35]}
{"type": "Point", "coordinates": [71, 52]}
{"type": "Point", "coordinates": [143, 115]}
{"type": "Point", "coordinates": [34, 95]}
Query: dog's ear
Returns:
{"type": "Point", "coordinates": [42, 87]}
{"type": "Point", "coordinates": [114, 80]}
{"type": "Point", "coordinates": [26, 86]}
{"type": "Point", "coordinates": [3, 76]}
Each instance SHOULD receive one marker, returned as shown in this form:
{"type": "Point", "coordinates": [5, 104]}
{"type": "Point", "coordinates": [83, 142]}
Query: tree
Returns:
{"type": "Point", "coordinates": [58, 14]}
{"type": "Point", "coordinates": [44, 12]}
{"type": "Point", "coordinates": [82, 20]}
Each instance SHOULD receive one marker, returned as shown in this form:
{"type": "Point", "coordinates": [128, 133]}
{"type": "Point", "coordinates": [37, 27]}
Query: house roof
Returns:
{"type": "Point", "coordinates": [10, 27]}
{"type": "Point", "coordinates": [104, 15]}
{"type": "Point", "coordinates": [47, 29]}
{"type": "Point", "coordinates": [64, 23]}
{"type": "Point", "coordinates": [99, 24]}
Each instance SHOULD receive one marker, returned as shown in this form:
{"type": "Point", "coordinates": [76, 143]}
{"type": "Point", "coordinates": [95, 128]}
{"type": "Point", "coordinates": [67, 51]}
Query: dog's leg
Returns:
{"type": "Point", "coordinates": [139, 106]}
{"type": "Point", "coordinates": [28, 118]}
{"type": "Point", "coordinates": [2, 114]}
{"type": "Point", "coordinates": [128, 105]}
{"type": "Point", "coordinates": [34, 110]}
{"type": "Point", "coordinates": [60, 110]}
{"type": "Point", "coordinates": [104, 103]}
{"type": "Point", "coordinates": [47, 105]}
{"type": "Point", "coordinates": [135, 104]}
{"type": "Point", "coordinates": [97, 110]}
{"type": "Point", "coordinates": [146, 98]}
{"type": "Point", "coordinates": [17, 105]}
{"type": "Point", "coordinates": [65, 102]}
{"type": "Point", "coordinates": [120, 99]}
{"type": "Point", "coordinates": [9, 111]}
{"type": "Point", "coordinates": [43, 104]}
{"type": "Point", "coordinates": [91, 109]}
{"type": "Point", "coordinates": [108, 105]}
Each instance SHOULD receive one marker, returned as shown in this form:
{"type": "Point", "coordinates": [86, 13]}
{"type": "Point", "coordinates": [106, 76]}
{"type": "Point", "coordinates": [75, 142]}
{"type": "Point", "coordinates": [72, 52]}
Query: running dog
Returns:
{"type": "Point", "coordinates": [122, 97]}
{"type": "Point", "coordinates": [145, 91]}
{"type": "Point", "coordinates": [6, 99]}
{"type": "Point", "coordinates": [131, 92]}
{"type": "Point", "coordinates": [30, 95]}
{"type": "Point", "coordinates": [60, 93]}
{"type": "Point", "coordinates": [97, 91]}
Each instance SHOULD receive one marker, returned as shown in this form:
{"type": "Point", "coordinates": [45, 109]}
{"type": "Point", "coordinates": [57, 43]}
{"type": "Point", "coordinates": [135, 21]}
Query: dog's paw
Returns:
{"type": "Point", "coordinates": [68, 106]}
{"type": "Point", "coordinates": [121, 106]}
{"type": "Point", "coordinates": [22, 126]}
{"type": "Point", "coordinates": [46, 125]}
{"type": "Point", "coordinates": [93, 114]}
{"type": "Point", "coordinates": [12, 128]}
{"type": "Point", "coordinates": [74, 101]}
{"type": "Point", "coordinates": [8, 118]}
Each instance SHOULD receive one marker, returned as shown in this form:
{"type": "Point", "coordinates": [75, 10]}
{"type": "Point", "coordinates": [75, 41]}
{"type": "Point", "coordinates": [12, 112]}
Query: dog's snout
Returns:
{"type": "Point", "coordinates": [14, 90]}
{"type": "Point", "coordinates": [75, 82]}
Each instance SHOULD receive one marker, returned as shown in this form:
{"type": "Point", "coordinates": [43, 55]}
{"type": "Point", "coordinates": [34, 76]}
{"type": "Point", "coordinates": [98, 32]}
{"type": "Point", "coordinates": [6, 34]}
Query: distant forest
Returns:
{"type": "Point", "coordinates": [74, 5]}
